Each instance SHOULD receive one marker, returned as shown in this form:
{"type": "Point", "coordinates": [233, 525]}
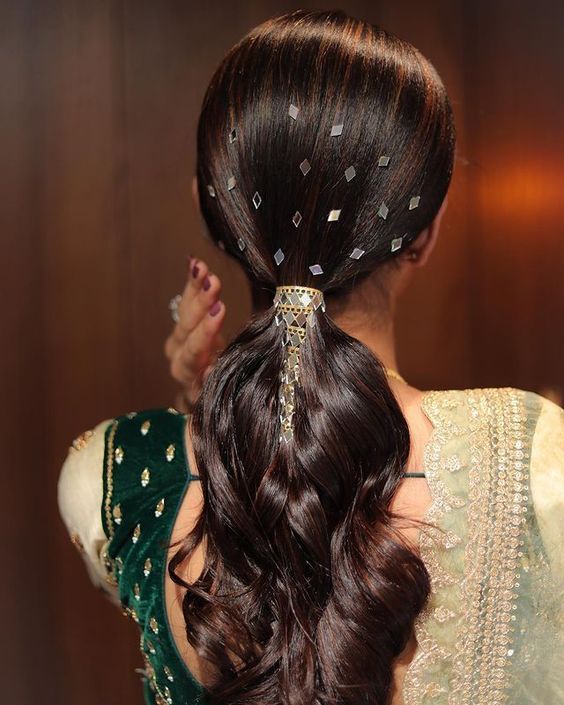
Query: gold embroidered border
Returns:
{"type": "Point", "coordinates": [418, 684]}
{"type": "Point", "coordinates": [497, 505]}
{"type": "Point", "coordinates": [110, 479]}
{"type": "Point", "coordinates": [474, 670]}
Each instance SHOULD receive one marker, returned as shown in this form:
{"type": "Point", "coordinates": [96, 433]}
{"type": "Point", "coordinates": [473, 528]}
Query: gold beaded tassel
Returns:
{"type": "Point", "coordinates": [294, 306]}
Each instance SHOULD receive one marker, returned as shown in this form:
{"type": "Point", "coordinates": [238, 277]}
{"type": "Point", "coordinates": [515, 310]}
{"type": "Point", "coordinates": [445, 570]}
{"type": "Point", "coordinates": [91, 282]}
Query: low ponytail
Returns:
{"type": "Point", "coordinates": [309, 589]}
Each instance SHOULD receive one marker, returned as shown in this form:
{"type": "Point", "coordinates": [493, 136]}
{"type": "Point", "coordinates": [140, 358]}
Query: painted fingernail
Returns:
{"type": "Point", "coordinates": [207, 283]}
{"type": "Point", "coordinates": [215, 309]}
{"type": "Point", "coordinates": [195, 270]}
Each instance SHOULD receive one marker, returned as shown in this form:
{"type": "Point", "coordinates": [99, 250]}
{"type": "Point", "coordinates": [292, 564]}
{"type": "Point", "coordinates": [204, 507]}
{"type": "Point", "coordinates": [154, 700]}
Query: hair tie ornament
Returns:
{"type": "Point", "coordinates": [279, 257]}
{"type": "Point", "coordinates": [231, 183]}
{"type": "Point", "coordinates": [297, 219]}
{"type": "Point", "coordinates": [333, 215]}
{"type": "Point", "coordinates": [241, 244]}
{"type": "Point", "coordinates": [293, 111]}
{"type": "Point", "coordinates": [257, 200]}
{"type": "Point", "coordinates": [316, 269]}
{"type": "Point", "coordinates": [337, 130]}
{"type": "Point", "coordinates": [414, 202]}
{"type": "Point", "coordinates": [383, 161]}
{"type": "Point", "coordinates": [233, 135]}
{"type": "Point", "coordinates": [305, 167]}
{"type": "Point", "coordinates": [211, 190]}
{"type": "Point", "coordinates": [294, 306]}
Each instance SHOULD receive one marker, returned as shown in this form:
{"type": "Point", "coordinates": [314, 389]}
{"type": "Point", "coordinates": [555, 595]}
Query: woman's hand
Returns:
{"type": "Point", "coordinates": [196, 339]}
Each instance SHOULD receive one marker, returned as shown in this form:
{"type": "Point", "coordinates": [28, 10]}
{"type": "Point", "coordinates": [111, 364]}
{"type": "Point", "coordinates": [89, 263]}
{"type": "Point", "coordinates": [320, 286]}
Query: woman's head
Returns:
{"type": "Point", "coordinates": [342, 135]}
{"type": "Point", "coordinates": [309, 589]}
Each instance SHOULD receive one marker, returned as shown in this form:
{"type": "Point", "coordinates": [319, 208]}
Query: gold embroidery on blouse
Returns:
{"type": "Point", "coordinates": [81, 441]}
{"type": "Point", "coordinates": [76, 541]}
{"type": "Point", "coordinates": [110, 479]}
{"type": "Point", "coordinates": [468, 668]}
{"type": "Point", "coordinates": [495, 536]}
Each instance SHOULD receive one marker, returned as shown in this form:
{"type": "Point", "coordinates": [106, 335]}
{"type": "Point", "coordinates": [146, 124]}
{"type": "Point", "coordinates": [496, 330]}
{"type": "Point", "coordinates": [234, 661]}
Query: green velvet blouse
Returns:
{"type": "Point", "coordinates": [146, 473]}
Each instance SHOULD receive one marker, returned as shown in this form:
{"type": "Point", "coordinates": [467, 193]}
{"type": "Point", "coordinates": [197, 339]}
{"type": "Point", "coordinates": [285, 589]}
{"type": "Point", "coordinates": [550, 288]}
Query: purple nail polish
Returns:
{"type": "Point", "coordinates": [195, 270]}
{"type": "Point", "coordinates": [215, 309]}
{"type": "Point", "coordinates": [207, 283]}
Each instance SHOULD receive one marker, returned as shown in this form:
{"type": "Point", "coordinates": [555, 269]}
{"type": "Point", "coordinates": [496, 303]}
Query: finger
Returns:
{"type": "Point", "coordinates": [198, 296]}
{"type": "Point", "coordinates": [202, 290]}
{"type": "Point", "coordinates": [200, 347]}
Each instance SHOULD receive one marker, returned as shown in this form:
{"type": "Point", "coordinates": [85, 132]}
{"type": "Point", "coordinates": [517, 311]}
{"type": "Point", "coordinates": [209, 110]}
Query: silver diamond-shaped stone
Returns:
{"type": "Point", "coordinates": [396, 243]}
{"type": "Point", "coordinates": [278, 318]}
{"type": "Point", "coordinates": [233, 135]}
{"type": "Point", "coordinates": [306, 298]}
{"type": "Point", "coordinates": [333, 215]}
{"type": "Point", "coordinates": [350, 173]}
{"type": "Point", "coordinates": [297, 219]}
{"type": "Point", "coordinates": [278, 256]}
{"type": "Point", "coordinates": [241, 244]}
{"type": "Point", "coordinates": [357, 253]}
{"type": "Point", "coordinates": [337, 130]}
{"type": "Point", "coordinates": [231, 183]}
{"type": "Point", "coordinates": [316, 269]}
{"type": "Point", "coordinates": [293, 111]}
{"type": "Point", "coordinates": [257, 200]}
{"type": "Point", "coordinates": [414, 202]}
{"type": "Point", "coordinates": [287, 435]}
{"type": "Point", "coordinates": [211, 190]}
{"type": "Point", "coordinates": [383, 211]}
{"type": "Point", "coordinates": [305, 167]}
{"type": "Point", "coordinates": [383, 161]}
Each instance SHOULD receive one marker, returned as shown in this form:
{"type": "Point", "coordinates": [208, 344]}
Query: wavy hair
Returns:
{"type": "Point", "coordinates": [309, 592]}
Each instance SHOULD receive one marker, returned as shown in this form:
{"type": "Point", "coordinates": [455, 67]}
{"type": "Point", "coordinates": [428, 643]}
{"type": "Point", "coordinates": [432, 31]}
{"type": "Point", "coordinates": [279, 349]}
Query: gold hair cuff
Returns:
{"type": "Point", "coordinates": [294, 306]}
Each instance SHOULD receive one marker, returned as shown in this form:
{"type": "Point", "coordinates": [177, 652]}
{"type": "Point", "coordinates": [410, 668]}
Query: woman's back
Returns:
{"type": "Point", "coordinates": [494, 487]}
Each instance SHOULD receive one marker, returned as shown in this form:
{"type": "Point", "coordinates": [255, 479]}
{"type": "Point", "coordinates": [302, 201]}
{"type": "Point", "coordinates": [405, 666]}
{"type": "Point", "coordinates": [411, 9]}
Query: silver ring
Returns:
{"type": "Point", "coordinates": [173, 307]}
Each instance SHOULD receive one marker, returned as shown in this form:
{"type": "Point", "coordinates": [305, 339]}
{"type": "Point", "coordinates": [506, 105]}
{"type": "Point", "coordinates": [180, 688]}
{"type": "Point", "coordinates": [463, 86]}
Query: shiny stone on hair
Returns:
{"type": "Point", "coordinates": [350, 173]}
{"type": "Point", "coordinates": [396, 243]}
{"type": "Point", "coordinates": [383, 211]}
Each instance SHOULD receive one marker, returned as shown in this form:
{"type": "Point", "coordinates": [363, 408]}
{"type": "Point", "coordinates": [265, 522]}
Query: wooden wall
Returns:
{"type": "Point", "coordinates": [98, 108]}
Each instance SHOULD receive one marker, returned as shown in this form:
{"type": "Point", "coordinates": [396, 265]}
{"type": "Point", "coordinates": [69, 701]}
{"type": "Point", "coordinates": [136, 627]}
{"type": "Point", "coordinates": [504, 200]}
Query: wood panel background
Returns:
{"type": "Point", "coordinates": [98, 108]}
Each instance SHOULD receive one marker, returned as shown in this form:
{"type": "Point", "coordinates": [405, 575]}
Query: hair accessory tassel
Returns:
{"type": "Point", "coordinates": [294, 307]}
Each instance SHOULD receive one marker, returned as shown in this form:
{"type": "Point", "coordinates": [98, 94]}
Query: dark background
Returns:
{"type": "Point", "coordinates": [98, 108]}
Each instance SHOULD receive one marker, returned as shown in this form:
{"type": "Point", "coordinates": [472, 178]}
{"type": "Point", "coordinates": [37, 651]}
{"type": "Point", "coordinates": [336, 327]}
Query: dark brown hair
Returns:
{"type": "Point", "coordinates": [309, 591]}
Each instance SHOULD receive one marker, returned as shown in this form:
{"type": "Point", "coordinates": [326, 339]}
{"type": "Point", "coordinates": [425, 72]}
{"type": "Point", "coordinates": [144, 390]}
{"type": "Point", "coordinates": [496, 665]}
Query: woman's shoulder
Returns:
{"type": "Point", "coordinates": [121, 471]}
{"type": "Point", "coordinates": [493, 405]}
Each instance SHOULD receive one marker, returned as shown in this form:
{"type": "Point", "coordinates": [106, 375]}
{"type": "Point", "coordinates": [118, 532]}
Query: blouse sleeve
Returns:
{"type": "Point", "coordinates": [80, 497]}
{"type": "Point", "coordinates": [547, 483]}
{"type": "Point", "coordinates": [538, 672]}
